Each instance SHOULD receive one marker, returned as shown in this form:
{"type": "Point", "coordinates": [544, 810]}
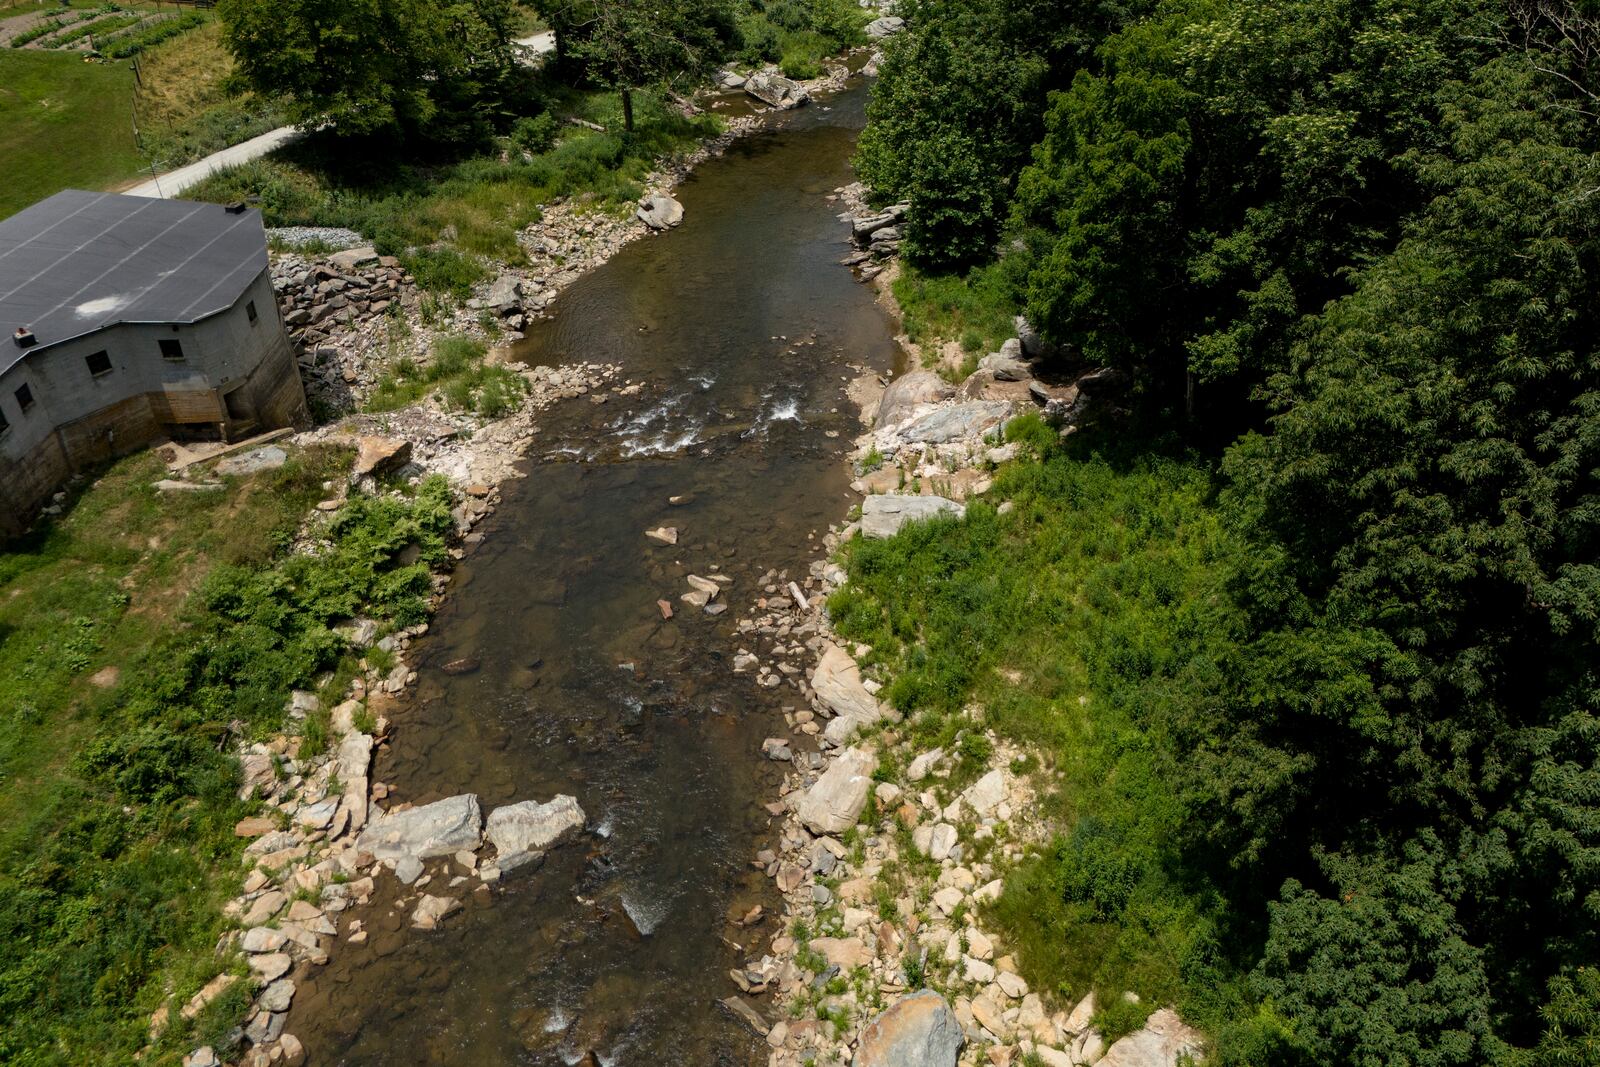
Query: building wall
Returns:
{"type": "Point", "coordinates": [235, 378]}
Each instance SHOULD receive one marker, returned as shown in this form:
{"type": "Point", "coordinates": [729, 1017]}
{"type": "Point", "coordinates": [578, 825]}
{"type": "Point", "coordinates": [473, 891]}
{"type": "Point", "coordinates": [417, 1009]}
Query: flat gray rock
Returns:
{"type": "Point", "coordinates": [660, 212]}
{"type": "Point", "coordinates": [437, 829]}
{"type": "Point", "coordinates": [1007, 365]}
{"type": "Point", "coordinates": [257, 459]}
{"type": "Point", "coordinates": [837, 682]}
{"type": "Point", "coordinates": [774, 90]}
{"type": "Point", "coordinates": [915, 1031]}
{"type": "Point", "coordinates": [887, 26]}
{"type": "Point", "coordinates": [957, 422]}
{"type": "Point", "coordinates": [835, 802]}
{"type": "Point", "coordinates": [883, 516]}
{"type": "Point", "coordinates": [1163, 1039]}
{"type": "Point", "coordinates": [905, 393]}
{"type": "Point", "coordinates": [530, 826]}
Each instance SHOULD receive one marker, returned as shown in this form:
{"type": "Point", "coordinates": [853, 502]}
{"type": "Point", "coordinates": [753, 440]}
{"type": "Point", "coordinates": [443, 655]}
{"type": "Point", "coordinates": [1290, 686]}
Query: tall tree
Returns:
{"type": "Point", "coordinates": [629, 44]}
{"type": "Point", "coordinates": [398, 67]}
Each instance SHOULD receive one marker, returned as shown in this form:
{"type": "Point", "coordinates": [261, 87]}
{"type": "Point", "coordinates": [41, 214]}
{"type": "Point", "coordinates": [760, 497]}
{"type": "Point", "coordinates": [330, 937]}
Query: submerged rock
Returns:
{"type": "Point", "coordinates": [436, 829]}
{"type": "Point", "coordinates": [530, 826]}
{"type": "Point", "coordinates": [917, 1031]}
{"type": "Point", "coordinates": [882, 516]}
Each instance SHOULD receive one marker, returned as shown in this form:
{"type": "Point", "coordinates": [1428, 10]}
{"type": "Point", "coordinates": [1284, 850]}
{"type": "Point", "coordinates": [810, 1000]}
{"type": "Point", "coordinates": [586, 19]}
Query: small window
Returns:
{"type": "Point", "coordinates": [250, 312]}
{"type": "Point", "coordinates": [99, 363]}
{"type": "Point", "coordinates": [24, 398]}
{"type": "Point", "coordinates": [170, 348]}
{"type": "Point", "coordinates": [4, 425]}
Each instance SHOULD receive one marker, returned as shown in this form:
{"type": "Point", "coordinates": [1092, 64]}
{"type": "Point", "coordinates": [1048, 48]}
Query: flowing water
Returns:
{"type": "Point", "coordinates": [745, 328]}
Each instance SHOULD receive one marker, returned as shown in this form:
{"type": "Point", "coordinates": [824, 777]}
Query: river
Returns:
{"type": "Point", "coordinates": [745, 328]}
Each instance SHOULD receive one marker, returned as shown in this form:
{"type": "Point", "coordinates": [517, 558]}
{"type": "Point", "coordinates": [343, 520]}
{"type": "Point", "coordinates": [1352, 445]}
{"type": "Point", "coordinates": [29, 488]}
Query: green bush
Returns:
{"type": "Point", "coordinates": [444, 270]}
{"type": "Point", "coordinates": [111, 881]}
{"type": "Point", "coordinates": [537, 134]}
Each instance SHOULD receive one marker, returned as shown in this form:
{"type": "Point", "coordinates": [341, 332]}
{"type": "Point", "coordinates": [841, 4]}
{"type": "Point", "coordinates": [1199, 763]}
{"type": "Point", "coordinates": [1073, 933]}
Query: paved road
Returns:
{"type": "Point", "coordinates": [174, 182]}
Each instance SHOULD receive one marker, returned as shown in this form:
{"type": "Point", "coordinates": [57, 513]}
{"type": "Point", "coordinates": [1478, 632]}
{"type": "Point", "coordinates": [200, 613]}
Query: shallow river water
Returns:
{"type": "Point", "coordinates": [746, 328]}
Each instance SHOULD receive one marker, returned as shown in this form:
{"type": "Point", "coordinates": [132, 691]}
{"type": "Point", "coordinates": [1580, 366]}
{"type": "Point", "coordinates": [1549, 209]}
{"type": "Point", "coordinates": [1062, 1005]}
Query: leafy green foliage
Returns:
{"type": "Point", "coordinates": [404, 68]}
{"type": "Point", "coordinates": [1357, 242]}
{"type": "Point", "coordinates": [460, 375]}
{"type": "Point", "coordinates": [116, 847]}
{"type": "Point", "coordinates": [629, 44]}
{"type": "Point", "coordinates": [131, 44]}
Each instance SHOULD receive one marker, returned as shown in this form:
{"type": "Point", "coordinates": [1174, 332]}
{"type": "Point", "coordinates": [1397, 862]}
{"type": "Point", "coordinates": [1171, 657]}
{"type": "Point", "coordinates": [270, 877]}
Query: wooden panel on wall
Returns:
{"type": "Point", "coordinates": [175, 405]}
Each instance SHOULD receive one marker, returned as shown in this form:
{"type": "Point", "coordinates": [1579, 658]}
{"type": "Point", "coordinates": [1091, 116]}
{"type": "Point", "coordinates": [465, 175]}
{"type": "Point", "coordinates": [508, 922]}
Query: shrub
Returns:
{"type": "Point", "coordinates": [535, 135]}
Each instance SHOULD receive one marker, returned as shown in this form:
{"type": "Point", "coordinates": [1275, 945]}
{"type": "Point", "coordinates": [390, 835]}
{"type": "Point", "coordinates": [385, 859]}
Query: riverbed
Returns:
{"type": "Point", "coordinates": [745, 329]}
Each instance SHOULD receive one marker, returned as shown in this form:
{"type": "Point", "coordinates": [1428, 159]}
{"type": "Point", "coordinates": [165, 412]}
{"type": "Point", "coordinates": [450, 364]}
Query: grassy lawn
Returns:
{"type": "Point", "coordinates": [64, 124]}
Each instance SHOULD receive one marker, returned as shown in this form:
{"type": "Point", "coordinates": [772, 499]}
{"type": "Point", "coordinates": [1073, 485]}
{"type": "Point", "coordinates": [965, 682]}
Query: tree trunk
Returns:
{"type": "Point", "coordinates": [627, 110]}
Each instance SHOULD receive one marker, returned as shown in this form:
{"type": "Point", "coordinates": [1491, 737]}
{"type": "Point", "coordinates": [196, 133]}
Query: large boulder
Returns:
{"type": "Point", "coordinates": [1034, 346]}
{"type": "Point", "coordinates": [660, 212]}
{"type": "Point", "coordinates": [907, 392]}
{"type": "Point", "coordinates": [380, 455]}
{"type": "Point", "coordinates": [882, 516]}
{"type": "Point", "coordinates": [442, 828]}
{"type": "Point", "coordinates": [1164, 1038]}
{"type": "Point", "coordinates": [887, 26]}
{"type": "Point", "coordinates": [505, 295]}
{"type": "Point", "coordinates": [530, 826]}
{"type": "Point", "coordinates": [915, 1031]}
{"type": "Point", "coordinates": [835, 802]}
{"type": "Point", "coordinates": [837, 682]}
{"type": "Point", "coordinates": [774, 90]}
{"type": "Point", "coordinates": [957, 422]}
{"type": "Point", "coordinates": [1007, 365]}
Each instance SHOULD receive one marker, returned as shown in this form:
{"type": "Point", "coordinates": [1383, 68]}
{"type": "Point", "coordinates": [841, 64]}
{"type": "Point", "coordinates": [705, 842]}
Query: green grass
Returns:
{"type": "Point", "coordinates": [64, 124]}
{"type": "Point", "coordinates": [458, 373]}
{"type": "Point", "coordinates": [473, 206]}
{"type": "Point", "coordinates": [1076, 620]}
{"type": "Point", "coordinates": [978, 308]}
{"type": "Point", "coordinates": [117, 793]}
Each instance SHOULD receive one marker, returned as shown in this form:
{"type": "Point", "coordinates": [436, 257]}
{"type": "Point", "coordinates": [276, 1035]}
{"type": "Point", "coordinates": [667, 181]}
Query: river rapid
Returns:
{"type": "Point", "coordinates": [745, 328]}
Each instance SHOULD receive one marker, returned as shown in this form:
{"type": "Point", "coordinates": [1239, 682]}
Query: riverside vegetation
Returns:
{"type": "Point", "coordinates": [447, 176]}
{"type": "Point", "coordinates": [145, 634]}
{"type": "Point", "coordinates": [1309, 653]}
{"type": "Point", "coordinates": [149, 635]}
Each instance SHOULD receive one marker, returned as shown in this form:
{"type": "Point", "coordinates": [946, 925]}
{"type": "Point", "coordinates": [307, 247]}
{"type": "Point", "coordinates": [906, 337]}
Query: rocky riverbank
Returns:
{"type": "Point", "coordinates": [887, 855]}
{"type": "Point", "coordinates": [337, 857]}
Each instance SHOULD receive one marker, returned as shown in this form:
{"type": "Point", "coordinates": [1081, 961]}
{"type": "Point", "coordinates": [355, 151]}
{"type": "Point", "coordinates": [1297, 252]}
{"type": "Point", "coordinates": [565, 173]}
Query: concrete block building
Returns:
{"type": "Point", "coordinates": [125, 320]}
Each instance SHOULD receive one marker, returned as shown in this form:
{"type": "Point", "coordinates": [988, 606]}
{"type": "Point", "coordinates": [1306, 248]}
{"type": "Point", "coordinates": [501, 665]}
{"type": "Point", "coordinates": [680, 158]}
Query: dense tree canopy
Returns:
{"type": "Point", "coordinates": [1369, 234]}
{"type": "Point", "coordinates": [392, 67]}
{"type": "Point", "coordinates": [628, 44]}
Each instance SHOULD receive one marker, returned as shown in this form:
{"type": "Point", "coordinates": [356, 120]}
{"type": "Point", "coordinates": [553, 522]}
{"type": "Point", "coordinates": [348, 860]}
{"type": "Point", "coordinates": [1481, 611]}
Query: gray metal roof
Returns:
{"type": "Point", "coordinates": [79, 262]}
